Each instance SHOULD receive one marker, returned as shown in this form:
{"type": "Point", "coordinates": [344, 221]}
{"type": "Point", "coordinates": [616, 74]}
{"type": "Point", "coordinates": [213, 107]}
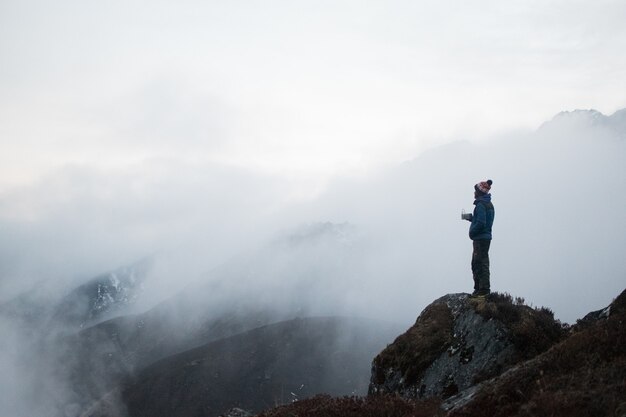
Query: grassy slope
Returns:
{"type": "Point", "coordinates": [583, 375]}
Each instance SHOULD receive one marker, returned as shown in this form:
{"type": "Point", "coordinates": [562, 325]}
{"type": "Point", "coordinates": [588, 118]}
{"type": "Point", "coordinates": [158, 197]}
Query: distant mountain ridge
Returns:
{"type": "Point", "coordinates": [100, 298]}
{"type": "Point", "coordinates": [103, 296]}
{"type": "Point", "coordinates": [575, 118]}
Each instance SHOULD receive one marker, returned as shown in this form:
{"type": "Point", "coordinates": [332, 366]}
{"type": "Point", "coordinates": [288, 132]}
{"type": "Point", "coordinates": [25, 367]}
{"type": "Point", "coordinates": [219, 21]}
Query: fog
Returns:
{"type": "Point", "coordinates": [559, 226]}
{"type": "Point", "coordinates": [283, 161]}
{"type": "Point", "coordinates": [382, 247]}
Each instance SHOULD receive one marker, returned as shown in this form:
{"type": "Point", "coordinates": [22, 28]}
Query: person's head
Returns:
{"type": "Point", "coordinates": [482, 188]}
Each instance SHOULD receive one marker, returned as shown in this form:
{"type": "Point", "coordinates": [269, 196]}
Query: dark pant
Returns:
{"type": "Point", "coordinates": [480, 265]}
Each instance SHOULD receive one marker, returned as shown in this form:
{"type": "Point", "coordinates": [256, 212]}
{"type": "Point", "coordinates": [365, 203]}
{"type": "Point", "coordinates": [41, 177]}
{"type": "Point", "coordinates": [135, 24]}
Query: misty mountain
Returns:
{"type": "Point", "coordinates": [553, 189]}
{"type": "Point", "coordinates": [101, 297]}
{"type": "Point", "coordinates": [102, 356]}
{"type": "Point", "coordinates": [236, 297]}
{"type": "Point", "coordinates": [261, 368]}
{"type": "Point", "coordinates": [380, 249]}
{"type": "Point", "coordinates": [106, 295]}
{"type": "Point", "coordinates": [408, 227]}
{"type": "Point", "coordinates": [28, 308]}
{"type": "Point", "coordinates": [584, 118]}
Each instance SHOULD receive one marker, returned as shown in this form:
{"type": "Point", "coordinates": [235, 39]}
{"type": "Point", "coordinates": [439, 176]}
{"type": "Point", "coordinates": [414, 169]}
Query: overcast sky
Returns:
{"type": "Point", "coordinates": [304, 89]}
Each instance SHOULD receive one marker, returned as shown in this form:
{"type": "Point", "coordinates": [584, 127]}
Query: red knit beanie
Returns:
{"type": "Point", "coordinates": [484, 186]}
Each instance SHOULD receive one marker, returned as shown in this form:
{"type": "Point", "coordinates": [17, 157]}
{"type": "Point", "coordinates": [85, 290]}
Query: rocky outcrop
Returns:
{"type": "Point", "coordinates": [617, 307]}
{"type": "Point", "coordinates": [584, 375]}
{"type": "Point", "coordinates": [457, 342]}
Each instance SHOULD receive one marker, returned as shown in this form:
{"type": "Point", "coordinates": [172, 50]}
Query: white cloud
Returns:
{"type": "Point", "coordinates": [371, 82]}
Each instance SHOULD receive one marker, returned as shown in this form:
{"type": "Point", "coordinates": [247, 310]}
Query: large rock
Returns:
{"type": "Point", "coordinates": [457, 342]}
{"type": "Point", "coordinates": [584, 375]}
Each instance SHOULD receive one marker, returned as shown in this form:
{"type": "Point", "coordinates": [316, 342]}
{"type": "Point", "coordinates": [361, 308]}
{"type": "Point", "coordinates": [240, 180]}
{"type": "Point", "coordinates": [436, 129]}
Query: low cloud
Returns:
{"type": "Point", "coordinates": [558, 220]}
{"type": "Point", "coordinates": [382, 248]}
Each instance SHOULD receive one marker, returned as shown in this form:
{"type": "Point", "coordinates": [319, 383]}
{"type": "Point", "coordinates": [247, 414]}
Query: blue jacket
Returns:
{"type": "Point", "coordinates": [482, 218]}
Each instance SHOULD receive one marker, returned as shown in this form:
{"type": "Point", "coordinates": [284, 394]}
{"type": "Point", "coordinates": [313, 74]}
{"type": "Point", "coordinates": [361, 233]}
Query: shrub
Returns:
{"type": "Point", "coordinates": [532, 330]}
{"type": "Point", "coordinates": [414, 351]}
{"type": "Point", "coordinates": [584, 375]}
{"type": "Point", "coordinates": [377, 406]}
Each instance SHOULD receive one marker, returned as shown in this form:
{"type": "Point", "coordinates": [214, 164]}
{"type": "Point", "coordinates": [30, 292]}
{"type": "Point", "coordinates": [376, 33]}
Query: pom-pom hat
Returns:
{"type": "Point", "coordinates": [484, 186]}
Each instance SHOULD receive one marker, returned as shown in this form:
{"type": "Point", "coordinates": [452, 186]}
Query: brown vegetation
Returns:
{"type": "Point", "coordinates": [415, 350]}
{"type": "Point", "coordinates": [532, 330]}
{"type": "Point", "coordinates": [376, 406]}
{"type": "Point", "coordinates": [585, 375]}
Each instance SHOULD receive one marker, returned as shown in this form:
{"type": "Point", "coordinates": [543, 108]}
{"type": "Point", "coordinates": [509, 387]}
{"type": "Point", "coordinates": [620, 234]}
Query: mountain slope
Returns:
{"type": "Point", "coordinates": [100, 298]}
{"type": "Point", "coordinates": [582, 375]}
{"type": "Point", "coordinates": [246, 293]}
{"type": "Point", "coordinates": [458, 341]}
{"type": "Point", "coordinates": [258, 369]}
{"type": "Point", "coordinates": [103, 296]}
{"type": "Point", "coordinates": [585, 375]}
{"type": "Point", "coordinates": [111, 352]}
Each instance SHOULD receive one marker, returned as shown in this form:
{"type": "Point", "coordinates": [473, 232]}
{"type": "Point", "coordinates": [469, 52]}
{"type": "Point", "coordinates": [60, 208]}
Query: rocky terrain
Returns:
{"type": "Point", "coordinates": [584, 375]}
{"type": "Point", "coordinates": [458, 341]}
{"type": "Point", "coordinates": [525, 363]}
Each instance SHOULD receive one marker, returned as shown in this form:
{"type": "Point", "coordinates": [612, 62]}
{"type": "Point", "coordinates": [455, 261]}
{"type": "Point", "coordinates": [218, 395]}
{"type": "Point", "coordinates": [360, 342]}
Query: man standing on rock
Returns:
{"type": "Point", "coordinates": [480, 233]}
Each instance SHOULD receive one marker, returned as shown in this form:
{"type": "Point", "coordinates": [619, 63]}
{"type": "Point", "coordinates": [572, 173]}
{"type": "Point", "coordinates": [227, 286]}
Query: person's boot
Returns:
{"type": "Point", "coordinates": [480, 294]}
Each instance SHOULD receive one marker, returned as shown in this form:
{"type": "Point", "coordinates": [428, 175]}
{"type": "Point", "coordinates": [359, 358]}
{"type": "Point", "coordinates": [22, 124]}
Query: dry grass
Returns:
{"type": "Point", "coordinates": [532, 330]}
{"type": "Point", "coordinates": [583, 376]}
{"type": "Point", "coordinates": [377, 406]}
{"type": "Point", "coordinates": [414, 351]}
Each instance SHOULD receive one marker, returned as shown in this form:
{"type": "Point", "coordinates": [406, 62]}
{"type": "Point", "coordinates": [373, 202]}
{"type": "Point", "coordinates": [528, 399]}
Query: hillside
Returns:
{"type": "Point", "coordinates": [258, 369]}
{"type": "Point", "coordinates": [111, 294]}
{"type": "Point", "coordinates": [458, 341]}
{"type": "Point", "coordinates": [106, 354]}
{"type": "Point", "coordinates": [384, 247]}
{"type": "Point", "coordinates": [583, 374]}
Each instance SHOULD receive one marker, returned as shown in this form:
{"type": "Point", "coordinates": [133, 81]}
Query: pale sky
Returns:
{"type": "Point", "coordinates": [304, 89]}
